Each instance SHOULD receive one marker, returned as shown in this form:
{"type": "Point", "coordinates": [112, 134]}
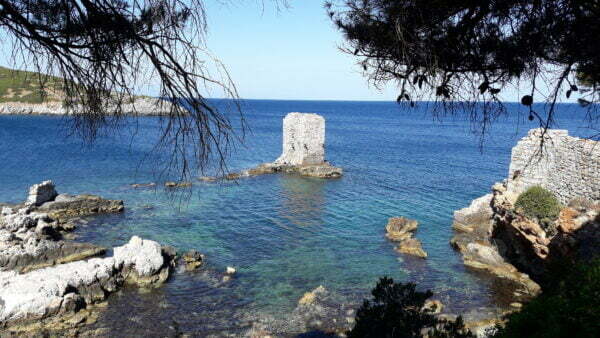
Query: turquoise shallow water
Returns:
{"type": "Point", "coordinates": [284, 234]}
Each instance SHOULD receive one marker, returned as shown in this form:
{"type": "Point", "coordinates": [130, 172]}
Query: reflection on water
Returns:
{"type": "Point", "coordinates": [302, 200]}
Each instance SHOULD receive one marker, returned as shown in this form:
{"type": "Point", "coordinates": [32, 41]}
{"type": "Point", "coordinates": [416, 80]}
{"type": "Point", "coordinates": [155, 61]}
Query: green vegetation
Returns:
{"type": "Point", "coordinates": [540, 204]}
{"type": "Point", "coordinates": [397, 311]}
{"type": "Point", "coordinates": [568, 307]}
{"type": "Point", "coordinates": [28, 87]}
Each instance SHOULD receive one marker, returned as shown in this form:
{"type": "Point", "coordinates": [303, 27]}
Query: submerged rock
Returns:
{"type": "Point", "coordinates": [401, 230]}
{"type": "Point", "coordinates": [192, 260]}
{"type": "Point", "coordinates": [143, 185]}
{"type": "Point", "coordinates": [319, 313]}
{"type": "Point", "coordinates": [178, 184]}
{"type": "Point", "coordinates": [311, 297]}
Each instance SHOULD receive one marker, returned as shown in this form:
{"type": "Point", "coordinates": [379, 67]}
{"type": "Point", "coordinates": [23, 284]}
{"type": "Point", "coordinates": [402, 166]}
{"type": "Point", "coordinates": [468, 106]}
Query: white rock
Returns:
{"type": "Point", "coordinates": [230, 270]}
{"type": "Point", "coordinates": [6, 211]}
{"type": "Point", "coordinates": [41, 193]}
{"type": "Point", "coordinates": [303, 139]}
{"type": "Point", "coordinates": [40, 293]}
{"type": "Point", "coordinates": [479, 207]}
{"type": "Point", "coordinates": [144, 255]}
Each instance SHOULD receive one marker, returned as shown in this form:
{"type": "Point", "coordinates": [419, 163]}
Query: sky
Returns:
{"type": "Point", "coordinates": [282, 53]}
{"type": "Point", "coordinates": [290, 53]}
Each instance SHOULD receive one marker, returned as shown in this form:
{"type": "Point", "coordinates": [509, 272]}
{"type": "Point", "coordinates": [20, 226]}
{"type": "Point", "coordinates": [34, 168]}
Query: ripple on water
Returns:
{"type": "Point", "coordinates": [285, 235]}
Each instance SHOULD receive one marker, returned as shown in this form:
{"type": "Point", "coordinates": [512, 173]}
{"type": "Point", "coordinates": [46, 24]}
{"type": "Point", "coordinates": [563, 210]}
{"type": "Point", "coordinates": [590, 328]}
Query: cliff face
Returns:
{"type": "Point", "coordinates": [496, 237]}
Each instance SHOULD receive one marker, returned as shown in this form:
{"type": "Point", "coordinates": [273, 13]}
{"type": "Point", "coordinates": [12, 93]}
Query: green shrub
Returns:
{"type": "Point", "coordinates": [568, 307]}
{"type": "Point", "coordinates": [396, 311]}
{"type": "Point", "coordinates": [540, 204]}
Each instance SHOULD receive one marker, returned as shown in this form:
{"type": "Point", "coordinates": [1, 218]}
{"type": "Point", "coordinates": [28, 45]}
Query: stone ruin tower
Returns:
{"type": "Point", "coordinates": [303, 140]}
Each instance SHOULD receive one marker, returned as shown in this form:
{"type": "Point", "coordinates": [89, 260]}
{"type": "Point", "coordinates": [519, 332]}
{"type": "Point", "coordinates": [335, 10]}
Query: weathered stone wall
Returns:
{"type": "Point", "coordinates": [568, 166]}
{"type": "Point", "coordinates": [303, 140]}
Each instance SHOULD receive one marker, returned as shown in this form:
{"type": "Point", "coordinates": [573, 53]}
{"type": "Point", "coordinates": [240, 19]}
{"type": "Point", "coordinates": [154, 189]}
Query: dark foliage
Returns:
{"type": "Point", "coordinates": [568, 307]}
{"type": "Point", "coordinates": [396, 310]}
{"type": "Point", "coordinates": [539, 204]}
{"type": "Point", "coordinates": [463, 52]}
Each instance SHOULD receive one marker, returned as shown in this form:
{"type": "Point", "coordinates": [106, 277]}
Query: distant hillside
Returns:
{"type": "Point", "coordinates": [23, 86]}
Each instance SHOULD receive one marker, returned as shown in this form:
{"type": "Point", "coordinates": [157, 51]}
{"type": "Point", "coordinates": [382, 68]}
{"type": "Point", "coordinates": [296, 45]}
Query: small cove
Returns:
{"type": "Point", "coordinates": [284, 234]}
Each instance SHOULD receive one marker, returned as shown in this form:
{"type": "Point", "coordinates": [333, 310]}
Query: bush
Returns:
{"type": "Point", "coordinates": [540, 204]}
{"type": "Point", "coordinates": [568, 307]}
{"type": "Point", "coordinates": [396, 311]}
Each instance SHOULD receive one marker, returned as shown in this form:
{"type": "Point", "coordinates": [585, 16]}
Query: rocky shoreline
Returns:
{"type": "Point", "coordinates": [495, 236]}
{"type": "Point", "coordinates": [141, 106]}
{"type": "Point", "coordinates": [51, 284]}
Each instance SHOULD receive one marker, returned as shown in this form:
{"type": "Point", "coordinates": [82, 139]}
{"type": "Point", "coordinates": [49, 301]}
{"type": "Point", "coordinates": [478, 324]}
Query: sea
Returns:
{"type": "Point", "coordinates": [284, 234]}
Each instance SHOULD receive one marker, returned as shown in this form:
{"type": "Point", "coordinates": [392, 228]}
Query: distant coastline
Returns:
{"type": "Point", "coordinates": [143, 106]}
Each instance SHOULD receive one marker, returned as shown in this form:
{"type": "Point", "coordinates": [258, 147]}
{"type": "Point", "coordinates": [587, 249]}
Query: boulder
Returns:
{"type": "Point", "coordinates": [411, 246]}
{"type": "Point", "coordinates": [41, 193]}
{"type": "Point", "coordinates": [401, 230]}
{"type": "Point", "coordinates": [324, 170]}
{"type": "Point", "coordinates": [67, 206]}
{"type": "Point", "coordinates": [433, 306]}
{"type": "Point", "coordinates": [192, 260]}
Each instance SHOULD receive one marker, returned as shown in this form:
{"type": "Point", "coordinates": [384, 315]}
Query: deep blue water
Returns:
{"type": "Point", "coordinates": [285, 234]}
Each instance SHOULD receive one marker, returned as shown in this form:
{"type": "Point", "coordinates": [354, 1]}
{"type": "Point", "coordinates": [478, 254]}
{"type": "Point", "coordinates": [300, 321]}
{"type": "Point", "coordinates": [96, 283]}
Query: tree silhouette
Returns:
{"type": "Point", "coordinates": [103, 48]}
{"type": "Point", "coordinates": [465, 54]}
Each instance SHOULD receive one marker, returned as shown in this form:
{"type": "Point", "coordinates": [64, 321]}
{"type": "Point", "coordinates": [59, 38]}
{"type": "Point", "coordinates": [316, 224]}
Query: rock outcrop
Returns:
{"type": "Point", "coordinates": [496, 237]}
{"type": "Point", "coordinates": [46, 283]}
{"type": "Point", "coordinates": [323, 170]}
{"type": "Point", "coordinates": [64, 289]}
{"type": "Point", "coordinates": [401, 230]}
{"type": "Point", "coordinates": [31, 234]}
